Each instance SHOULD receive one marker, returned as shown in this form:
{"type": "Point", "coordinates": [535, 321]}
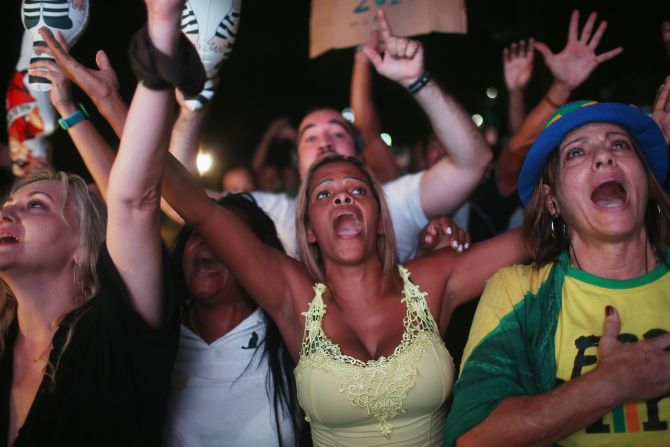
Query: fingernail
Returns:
{"type": "Point", "coordinates": [449, 230]}
{"type": "Point", "coordinates": [460, 248]}
{"type": "Point", "coordinates": [454, 244]}
{"type": "Point", "coordinates": [427, 238]}
{"type": "Point", "coordinates": [466, 245]}
{"type": "Point", "coordinates": [609, 310]}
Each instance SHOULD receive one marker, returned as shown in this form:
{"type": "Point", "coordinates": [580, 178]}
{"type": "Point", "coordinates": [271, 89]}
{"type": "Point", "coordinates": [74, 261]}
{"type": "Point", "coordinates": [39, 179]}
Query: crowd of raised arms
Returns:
{"type": "Point", "coordinates": [335, 305]}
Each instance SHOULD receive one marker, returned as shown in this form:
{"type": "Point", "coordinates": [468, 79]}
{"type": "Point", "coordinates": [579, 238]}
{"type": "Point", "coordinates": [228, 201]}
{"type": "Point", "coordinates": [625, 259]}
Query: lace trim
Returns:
{"type": "Point", "coordinates": [380, 386]}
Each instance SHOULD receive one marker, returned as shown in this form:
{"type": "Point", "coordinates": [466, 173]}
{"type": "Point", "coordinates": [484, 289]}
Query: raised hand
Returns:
{"type": "Point", "coordinates": [441, 232]}
{"type": "Point", "coordinates": [61, 92]}
{"type": "Point", "coordinates": [100, 85]}
{"type": "Point", "coordinates": [661, 113]}
{"type": "Point", "coordinates": [641, 369]}
{"type": "Point", "coordinates": [518, 64]}
{"type": "Point", "coordinates": [401, 60]}
{"type": "Point", "coordinates": [578, 59]}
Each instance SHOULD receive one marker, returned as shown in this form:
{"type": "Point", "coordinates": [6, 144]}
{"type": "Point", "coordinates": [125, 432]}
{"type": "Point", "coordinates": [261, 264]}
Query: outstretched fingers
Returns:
{"type": "Point", "coordinates": [574, 26]}
{"type": "Point", "coordinates": [55, 46]}
{"type": "Point", "coordinates": [609, 54]}
{"type": "Point", "coordinates": [588, 27]}
{"type": "Point", "coordinates": [595, 40]}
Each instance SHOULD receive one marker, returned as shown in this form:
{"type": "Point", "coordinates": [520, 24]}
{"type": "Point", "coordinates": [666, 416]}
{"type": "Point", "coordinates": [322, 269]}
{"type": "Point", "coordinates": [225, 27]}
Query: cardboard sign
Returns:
{"type": "Point", "coordinates": [346, 23]}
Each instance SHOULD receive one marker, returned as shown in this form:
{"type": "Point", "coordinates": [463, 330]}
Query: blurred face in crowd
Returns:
{"type": "Point", "coordinates": [320, 132]}
{"type": "Point", "coordinates": [238, 180]}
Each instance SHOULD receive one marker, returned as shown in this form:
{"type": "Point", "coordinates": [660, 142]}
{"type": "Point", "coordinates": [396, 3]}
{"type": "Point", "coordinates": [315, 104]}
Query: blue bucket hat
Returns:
{"type": "Point", "coordinates": [569, 117]}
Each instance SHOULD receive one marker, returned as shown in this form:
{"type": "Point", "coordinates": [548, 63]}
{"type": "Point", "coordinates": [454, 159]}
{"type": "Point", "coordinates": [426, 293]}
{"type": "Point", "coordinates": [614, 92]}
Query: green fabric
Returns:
{"type": "Point", "coordinates": [516, 358]}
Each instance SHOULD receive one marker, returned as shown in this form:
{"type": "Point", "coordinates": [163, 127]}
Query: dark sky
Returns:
{"type": "Point", "coordinates": [269, 73]}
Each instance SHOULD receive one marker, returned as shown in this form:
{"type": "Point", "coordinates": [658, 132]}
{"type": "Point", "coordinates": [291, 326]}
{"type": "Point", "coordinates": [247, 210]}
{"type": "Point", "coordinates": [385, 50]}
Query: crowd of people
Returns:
{"type": "Point", "coordinates": [339, 304]}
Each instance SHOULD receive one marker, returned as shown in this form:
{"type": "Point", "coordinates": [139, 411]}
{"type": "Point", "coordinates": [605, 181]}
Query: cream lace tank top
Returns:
{"type": "Point", "coordinates": [395, 400]}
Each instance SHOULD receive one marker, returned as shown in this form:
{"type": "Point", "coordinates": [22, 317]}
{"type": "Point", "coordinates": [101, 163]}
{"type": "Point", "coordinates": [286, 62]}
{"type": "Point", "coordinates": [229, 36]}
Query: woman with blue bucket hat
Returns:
{"type": "Point", "coordinates": [573, 349]}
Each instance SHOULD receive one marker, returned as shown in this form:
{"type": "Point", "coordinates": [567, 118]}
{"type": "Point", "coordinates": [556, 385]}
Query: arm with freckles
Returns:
{"type": "Point", "coordinates": [271, 278]}
{"type": "Point", "coordinates": [133, 193]}
{"type": "Point", "coordinates": [459, 174]}
{"type": "Point", "coordinates": [570, 68]}
{"type": "Point", "coordinates": [626, 372]}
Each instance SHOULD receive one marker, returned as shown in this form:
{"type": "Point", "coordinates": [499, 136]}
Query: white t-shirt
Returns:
{"type": "Point", "coordinates": [218, 395]}
{"type": "Point", "coordinates": [404, 202]}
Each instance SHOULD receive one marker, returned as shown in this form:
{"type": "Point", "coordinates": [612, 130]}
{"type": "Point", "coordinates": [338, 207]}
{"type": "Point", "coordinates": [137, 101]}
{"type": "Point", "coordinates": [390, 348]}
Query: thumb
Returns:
{"type": "Point", "coordinates": [611, 328]}
{"type": "Point", "coordinates": [374, 57]}
{"type": "Point", "coordinates": [102, 61]}
{"type": "Point", "coordinates": [543, 49]}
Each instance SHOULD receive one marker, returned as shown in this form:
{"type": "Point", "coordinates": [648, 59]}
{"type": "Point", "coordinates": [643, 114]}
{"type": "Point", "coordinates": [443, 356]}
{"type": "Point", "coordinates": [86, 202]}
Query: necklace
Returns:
{"type": "Point", "coordinates": [44, 355]}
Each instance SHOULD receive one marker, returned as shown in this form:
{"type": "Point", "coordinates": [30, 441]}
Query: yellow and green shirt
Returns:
{"type": "Point", "coordinates": [536, 328]}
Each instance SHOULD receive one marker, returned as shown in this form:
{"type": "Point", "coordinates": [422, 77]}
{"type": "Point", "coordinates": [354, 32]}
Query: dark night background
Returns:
{"type": "Point", "coordinates": [269, 73]}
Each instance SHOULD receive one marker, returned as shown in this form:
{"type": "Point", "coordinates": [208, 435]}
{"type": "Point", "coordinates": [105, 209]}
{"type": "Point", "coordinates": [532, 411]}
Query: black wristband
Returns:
{"type": "Point", "coordinates": [420, 83]}
{"type": "Point", "coordinates": [158, 71]}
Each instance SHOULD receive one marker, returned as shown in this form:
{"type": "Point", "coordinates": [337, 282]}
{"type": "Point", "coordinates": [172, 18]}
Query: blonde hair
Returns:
{"type": "Point", "coordinates": [311, 253]}
{"type": "Point", "coordinates": [91, 219]}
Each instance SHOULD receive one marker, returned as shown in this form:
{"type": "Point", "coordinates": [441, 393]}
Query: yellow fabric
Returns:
{"type": "Point", "coordinates": [643, 305]}
{"type": "Point", "coordinates": [395, 400]}
{"type": "Point", "coordinates": [503, 291]}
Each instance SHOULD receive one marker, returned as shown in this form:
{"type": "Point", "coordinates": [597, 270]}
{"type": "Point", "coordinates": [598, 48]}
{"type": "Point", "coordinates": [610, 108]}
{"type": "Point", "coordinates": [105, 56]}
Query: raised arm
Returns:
{"type": "Point", "coordinates": [94, 150]}
{"type": "Point", "coordinates": [100, 85]}
{"type": "Point", "coordinates": [133, 194]}
{"type": "Point", "coordinates": [517, 71]}
{"type": "Point", "coordinates": [280, 129]}
{"type": "Point", "coordinates": [185, 136]}
{"type": "Point", "coordinates": [376, 152]}
{"type": "Point", "coordinates": [454, 277]}
{"type": "Point", "coordinates": [277, 282]}
{"type": "Point", "coordinates": [626, 372]}
{"type": "Point", "coordinates": [570, 68]}
{"type": "Point", "coordinates": [459, 174]}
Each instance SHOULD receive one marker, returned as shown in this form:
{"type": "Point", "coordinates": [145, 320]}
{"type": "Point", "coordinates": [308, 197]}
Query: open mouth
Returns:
{"type": "Point", "coordinates": [205, 265]}
{"type": "Point", "coordinates": [610, 194]}
{"type": "Point", "coordinates": [8, 239]}
{"type": "Point", "coordinates": [347, 225]}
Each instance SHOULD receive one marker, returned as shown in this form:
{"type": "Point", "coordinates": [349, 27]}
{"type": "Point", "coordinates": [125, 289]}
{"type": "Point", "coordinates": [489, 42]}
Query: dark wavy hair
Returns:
{"type": "Point", "coordinates": [280, 382]}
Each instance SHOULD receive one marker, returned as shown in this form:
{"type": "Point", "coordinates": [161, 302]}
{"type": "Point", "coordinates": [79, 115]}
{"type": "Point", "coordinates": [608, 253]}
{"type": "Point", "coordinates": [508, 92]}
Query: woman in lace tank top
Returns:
{"type": "Point", "coordinates": [363, 364]}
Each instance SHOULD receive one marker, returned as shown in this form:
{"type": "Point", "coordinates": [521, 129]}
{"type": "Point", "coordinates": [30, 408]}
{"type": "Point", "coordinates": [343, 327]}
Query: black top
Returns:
{"type": "Point", "coordinates": [112, 381]}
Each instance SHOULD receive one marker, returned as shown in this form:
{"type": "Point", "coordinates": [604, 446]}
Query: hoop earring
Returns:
{"type": "Point", "coordinates": [563, 228]}
{"type": "Point", "coordinates": [553, 230]}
